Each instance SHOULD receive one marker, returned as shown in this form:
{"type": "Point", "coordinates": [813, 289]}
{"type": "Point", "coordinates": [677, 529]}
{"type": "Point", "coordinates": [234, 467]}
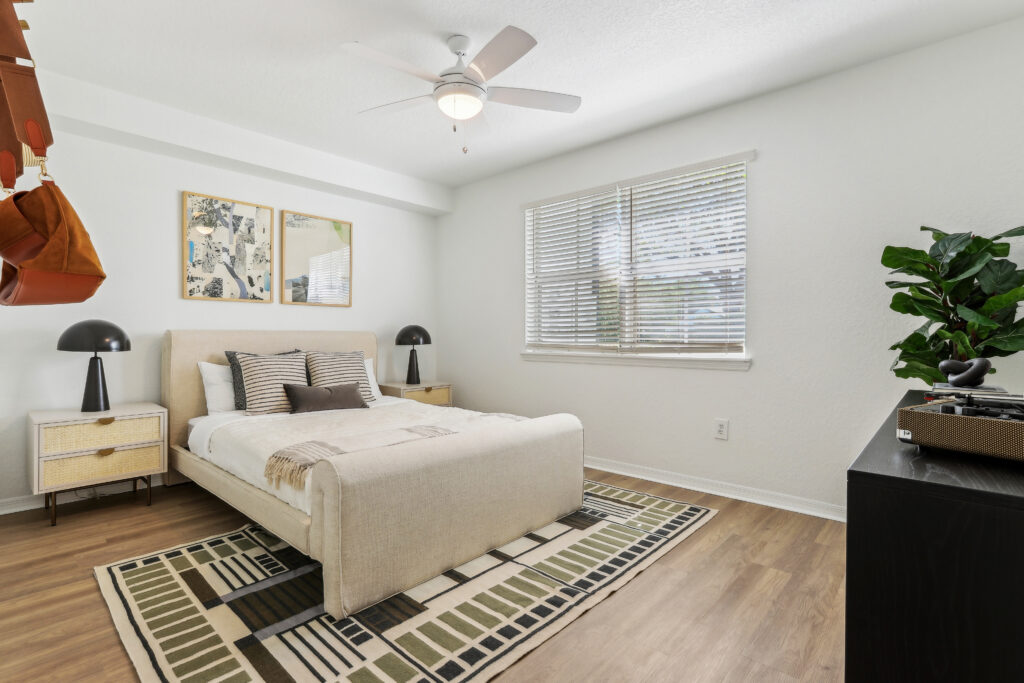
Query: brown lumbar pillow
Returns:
{"type": "Point", "coordinates": [306, 399]}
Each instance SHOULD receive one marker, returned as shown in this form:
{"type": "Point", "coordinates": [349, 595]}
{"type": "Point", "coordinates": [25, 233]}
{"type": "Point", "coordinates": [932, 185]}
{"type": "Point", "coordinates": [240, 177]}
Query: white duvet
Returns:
{"type": "Point", "coordinates": [241, 444]}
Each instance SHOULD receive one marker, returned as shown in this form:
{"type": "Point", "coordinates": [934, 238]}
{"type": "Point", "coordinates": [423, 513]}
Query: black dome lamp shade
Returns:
{"type": "Point", "coordinates": [94, 336]}
{"type": "Point", "coordinates": [412, 335]}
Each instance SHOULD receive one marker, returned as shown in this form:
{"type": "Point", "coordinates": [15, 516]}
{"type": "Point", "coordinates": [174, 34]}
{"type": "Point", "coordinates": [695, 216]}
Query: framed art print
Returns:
{"type": "Point", "coordinates": [316, 260]}
{"type": "Point", "coordinates": [227, 250]}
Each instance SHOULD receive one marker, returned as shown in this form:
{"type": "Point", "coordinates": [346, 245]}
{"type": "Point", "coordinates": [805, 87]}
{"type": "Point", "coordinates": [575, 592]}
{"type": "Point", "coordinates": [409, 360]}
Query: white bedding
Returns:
{"type": "Point", "coordinates": [241, 444]}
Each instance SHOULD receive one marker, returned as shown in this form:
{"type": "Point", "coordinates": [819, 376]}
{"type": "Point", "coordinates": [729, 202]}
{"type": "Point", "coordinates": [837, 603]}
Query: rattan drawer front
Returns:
{"type": "Point", "coordinates": [84, 436]}
{"type": "Point", "coordinates": [64, 472]}
{"type": "Point", "coordinates": [438, 396]}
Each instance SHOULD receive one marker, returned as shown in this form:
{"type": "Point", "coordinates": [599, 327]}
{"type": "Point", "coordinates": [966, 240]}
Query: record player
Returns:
{"type": "Point", "coordinates": [982, 422]}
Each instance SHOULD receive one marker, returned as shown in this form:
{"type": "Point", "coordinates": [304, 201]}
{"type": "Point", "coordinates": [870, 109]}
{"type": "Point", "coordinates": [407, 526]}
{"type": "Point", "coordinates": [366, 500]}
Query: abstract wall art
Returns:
{"type": "Point", "coordinates": [316, 260]}
{"type": "Point", "coordinates": [227, 250]}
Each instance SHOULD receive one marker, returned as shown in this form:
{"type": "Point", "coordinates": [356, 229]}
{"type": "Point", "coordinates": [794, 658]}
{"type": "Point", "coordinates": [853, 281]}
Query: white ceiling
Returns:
{"type": "Point", "coordinates": [276, 67]}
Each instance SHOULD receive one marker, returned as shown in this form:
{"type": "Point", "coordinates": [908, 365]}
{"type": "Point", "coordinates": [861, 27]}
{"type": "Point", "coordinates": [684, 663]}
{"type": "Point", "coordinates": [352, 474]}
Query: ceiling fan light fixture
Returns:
{"type": "Point", "coordinates": [461, 90]}
{"type": "Point", "coordinates": [459, 101]}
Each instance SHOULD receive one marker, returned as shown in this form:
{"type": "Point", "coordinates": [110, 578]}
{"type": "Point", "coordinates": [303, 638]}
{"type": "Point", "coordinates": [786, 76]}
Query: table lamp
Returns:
{"type": "Point", "coordinates": [411, 335]}
{"type": "Point", "coordinates": [94, 336]}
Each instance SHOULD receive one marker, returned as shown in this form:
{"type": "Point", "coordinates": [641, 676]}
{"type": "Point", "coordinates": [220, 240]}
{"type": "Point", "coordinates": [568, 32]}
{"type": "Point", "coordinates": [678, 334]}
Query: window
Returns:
{"type": "Point", "coordinates": [649, 267]}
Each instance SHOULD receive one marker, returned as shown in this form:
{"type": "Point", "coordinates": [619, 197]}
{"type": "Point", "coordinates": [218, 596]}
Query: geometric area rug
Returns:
{"type": "Point", "coordinates": [245, 606]}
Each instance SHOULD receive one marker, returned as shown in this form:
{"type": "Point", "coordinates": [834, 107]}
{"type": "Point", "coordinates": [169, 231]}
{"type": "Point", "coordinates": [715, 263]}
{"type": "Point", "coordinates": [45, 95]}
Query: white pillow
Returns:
{"type": "Point", "coordinates": [374, 388]}
{"type": "Point", "coordinates": [219, 389]}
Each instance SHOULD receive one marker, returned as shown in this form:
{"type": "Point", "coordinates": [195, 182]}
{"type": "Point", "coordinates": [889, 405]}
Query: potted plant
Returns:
{"type": "Point", "coordinates": [967, 291]}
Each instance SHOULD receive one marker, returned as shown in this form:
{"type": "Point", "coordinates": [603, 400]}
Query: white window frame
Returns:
{"type": "Point", "coordinates": [731, 361]}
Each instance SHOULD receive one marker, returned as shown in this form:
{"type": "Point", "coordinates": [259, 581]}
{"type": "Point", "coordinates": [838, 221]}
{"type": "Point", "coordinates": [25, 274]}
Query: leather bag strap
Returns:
{"type": "Point", "coordinates": [12, 47]}
{"type": "Point", "coordinates": [26, 107]}
{"type": "Point", "coordinates": [12, 38]}
{"type": "Point", "coordinates": [11, 158]}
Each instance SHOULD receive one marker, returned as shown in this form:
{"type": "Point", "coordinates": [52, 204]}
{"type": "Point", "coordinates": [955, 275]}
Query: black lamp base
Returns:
{"type": "Point", "coordinates": [413, 375]}
{"type": "Point", "coordinates": [95, 398]}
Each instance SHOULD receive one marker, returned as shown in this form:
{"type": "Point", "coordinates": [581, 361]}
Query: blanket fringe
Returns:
{"type": "Point", "coordinates": [282, 468]}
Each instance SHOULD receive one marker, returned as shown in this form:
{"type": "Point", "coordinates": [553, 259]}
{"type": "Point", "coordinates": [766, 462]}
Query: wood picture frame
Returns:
{"type": "Point", "coordinates": [316, 260]}
{"type": "Point", "coordinates": [218, 236]}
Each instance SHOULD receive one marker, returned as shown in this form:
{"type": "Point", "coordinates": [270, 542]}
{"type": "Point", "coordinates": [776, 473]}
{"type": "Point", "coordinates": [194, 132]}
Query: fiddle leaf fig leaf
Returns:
{"type": "Point", "coordinates": [946, 249]}
{"type": "Point", "coordinates": [963, 344]}
{"type": "Point", "coordinates": [904, 303]}
{"type": "Point", "coordinates": [924, 295]}
{"type": "Point", "coordinates": [1015, 232]}
{"type": "Point", "coordinates": [966, 267]}
{"type": "Point", "coordinates": [1006, 342]}
{"type": "Point", "coordinates": [899, 284]}
{"type": "Point", "coordinates": [976, 318]}
{"type": "Point", "coordinates": [929, 273]}
{"type": "Point", "coordinates": [999, 277]}
{"type": "Point", "coordinates": [981, 244]}
{"type": "Point", "coordinates": [936, 233]}
{"type": "Point", "coordinates": [915, 341]}
{"type": "Point", "coordinates": [1001, 301]}
{"type": "Point", "coordinates": [899, 257]}
{"type": "Point", "coordinates": [921, 371]}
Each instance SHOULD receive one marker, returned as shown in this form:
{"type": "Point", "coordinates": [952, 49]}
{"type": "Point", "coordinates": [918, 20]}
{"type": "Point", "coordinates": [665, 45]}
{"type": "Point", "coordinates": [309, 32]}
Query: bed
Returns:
{"type": "Point", "coordinates": [384, 519]}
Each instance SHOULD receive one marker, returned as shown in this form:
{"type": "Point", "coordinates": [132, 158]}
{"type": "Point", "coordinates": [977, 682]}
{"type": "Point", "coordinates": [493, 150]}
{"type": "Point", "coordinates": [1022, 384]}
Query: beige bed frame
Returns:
{"type": "Point", "coordinates": [181, 392]}
{"type": "Point", "coordinates": [382, 520]}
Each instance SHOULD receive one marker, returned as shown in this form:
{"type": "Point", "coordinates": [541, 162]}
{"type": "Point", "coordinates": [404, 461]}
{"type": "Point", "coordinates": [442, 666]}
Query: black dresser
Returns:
{"type": "Point", "coordinates": [935, 564]}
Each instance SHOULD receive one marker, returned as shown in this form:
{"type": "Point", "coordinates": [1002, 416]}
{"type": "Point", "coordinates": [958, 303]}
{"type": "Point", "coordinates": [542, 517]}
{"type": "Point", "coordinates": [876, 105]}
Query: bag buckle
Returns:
{"type": "Point", "coordinates": [44, 175]}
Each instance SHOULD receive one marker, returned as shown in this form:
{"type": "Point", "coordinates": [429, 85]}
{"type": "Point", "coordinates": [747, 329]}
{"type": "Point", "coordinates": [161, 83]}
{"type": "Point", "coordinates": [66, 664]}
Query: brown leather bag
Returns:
{"type": "Point", "coordinates": [48, 256]}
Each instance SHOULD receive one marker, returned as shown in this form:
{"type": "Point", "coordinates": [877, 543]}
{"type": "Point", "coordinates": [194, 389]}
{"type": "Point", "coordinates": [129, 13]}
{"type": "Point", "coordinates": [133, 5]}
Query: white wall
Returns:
{"type": "Point", "coordinates": [847, 164]}
{"type": "Point", "coordinates": [130, 201]}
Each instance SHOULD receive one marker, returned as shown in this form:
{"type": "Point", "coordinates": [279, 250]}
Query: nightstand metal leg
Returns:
{"type": "Point", "coordinates": [149, 489]}
{"type": "Point", "coordinates": [53, 510]}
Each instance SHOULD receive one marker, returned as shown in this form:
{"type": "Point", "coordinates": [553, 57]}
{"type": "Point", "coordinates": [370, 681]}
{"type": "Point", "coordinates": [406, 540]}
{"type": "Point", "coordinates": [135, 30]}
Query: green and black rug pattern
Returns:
{"type": "Point", "coordinates": [245, 606]}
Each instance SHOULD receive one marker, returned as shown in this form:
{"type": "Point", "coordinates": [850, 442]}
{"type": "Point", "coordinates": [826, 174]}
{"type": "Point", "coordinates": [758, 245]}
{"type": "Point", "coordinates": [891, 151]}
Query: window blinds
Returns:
{"type": "Point", "coordinates": [656, 266]}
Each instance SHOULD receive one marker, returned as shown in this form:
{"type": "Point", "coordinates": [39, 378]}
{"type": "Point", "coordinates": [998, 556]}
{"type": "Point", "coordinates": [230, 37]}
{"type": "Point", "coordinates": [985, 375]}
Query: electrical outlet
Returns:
{"type": "Point", "coordinates": [722, 428]}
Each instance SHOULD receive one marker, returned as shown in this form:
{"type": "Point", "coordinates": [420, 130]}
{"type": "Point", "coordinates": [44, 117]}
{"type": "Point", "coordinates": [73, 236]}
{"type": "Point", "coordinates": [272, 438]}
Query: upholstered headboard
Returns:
{"type": "Point", "coordinates": [181, 387]}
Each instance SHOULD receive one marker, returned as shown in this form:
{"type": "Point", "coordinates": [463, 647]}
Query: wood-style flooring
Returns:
{"type": "Point", "coordinates": [756, 595]}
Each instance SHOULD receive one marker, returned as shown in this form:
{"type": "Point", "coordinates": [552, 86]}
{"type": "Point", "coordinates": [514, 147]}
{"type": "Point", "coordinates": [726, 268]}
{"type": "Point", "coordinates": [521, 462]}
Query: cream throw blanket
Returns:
{"type": "Point", "coordinates": [291, 464]}
{"type": "Point", "coordinates": [300, 441]}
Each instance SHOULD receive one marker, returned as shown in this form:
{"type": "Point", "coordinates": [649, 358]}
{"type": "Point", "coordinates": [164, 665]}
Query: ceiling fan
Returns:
{"type": "Point", "coordinates": [460, 91]}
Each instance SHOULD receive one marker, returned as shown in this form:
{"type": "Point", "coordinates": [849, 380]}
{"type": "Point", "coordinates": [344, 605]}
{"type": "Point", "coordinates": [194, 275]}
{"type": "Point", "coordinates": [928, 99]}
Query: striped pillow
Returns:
{"type": "Point", "coordinates": [236, 375]}
{"type": "Point", "coordinates": [265, 377]}
{"type": "Point", "coordinates": [329, 369]}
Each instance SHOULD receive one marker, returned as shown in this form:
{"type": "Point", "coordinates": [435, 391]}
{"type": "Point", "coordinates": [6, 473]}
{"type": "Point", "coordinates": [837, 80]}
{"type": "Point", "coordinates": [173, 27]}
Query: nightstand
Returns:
{"type": "Point", "coordinates": [434, 393]}
{"type": "Point", "coordinates": [71, 450]}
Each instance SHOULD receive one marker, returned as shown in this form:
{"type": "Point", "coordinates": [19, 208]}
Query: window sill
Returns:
{"type": "Point", "coordinates": [740, 363]}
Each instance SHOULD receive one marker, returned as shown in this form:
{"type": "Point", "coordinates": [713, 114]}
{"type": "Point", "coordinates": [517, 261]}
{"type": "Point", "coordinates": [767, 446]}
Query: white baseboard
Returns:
{"type": "Point", "coordinates": [749, 494]}
{"type": "Point", "coordinates": [20, 503]}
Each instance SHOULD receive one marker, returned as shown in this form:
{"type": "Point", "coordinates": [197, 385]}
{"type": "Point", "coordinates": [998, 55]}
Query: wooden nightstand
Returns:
{"type": "Point", "coordinates": [71, 450]}
{"type": "Point", "coordinates": [434, 393]}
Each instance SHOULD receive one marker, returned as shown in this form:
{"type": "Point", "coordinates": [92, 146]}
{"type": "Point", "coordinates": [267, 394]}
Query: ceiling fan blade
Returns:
{"type": "Point", "coordinates": [400, 104]}
{"type": "Point", "coordinates": [360, 50]}
{"type": "Point", "coordinates": [535, 99]}
{"type": "Point", "coordinates": [503, 51]}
